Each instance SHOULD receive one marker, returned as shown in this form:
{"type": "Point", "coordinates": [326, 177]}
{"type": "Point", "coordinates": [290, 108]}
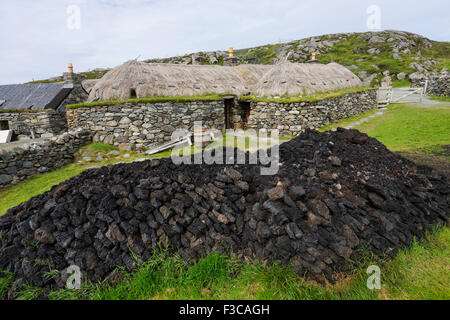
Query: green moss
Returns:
{"type": "Point", "coordinates": [209, 97]}
{"type": "Point", "coordinates": [438, 98]}
{"type": "Point", "coordinates": [24, 110]}
{"type": "Point", "coordinates": [317, 97]}
{"type": "Point", "coordinates": [401, 84]}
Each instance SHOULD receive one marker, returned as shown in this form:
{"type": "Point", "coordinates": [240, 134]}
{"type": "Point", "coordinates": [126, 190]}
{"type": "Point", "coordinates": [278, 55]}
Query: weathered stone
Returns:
{"type": "Point", "coordinates": [114, 233]}
{"type": "Point", "coordinates": [44, 236]}
{"type": "Point", "coordinates": [335, 161]}
{"type": "Point", "coordinates": [275, 193]}
{"type": "Point", "coordinates": [319, 208]}
{"type": "Point", "coordinates": [233, 174]}
{"type": "Point", "coordinates": [350, 236]}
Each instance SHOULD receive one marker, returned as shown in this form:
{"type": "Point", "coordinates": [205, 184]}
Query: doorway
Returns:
{"type": "Point", "coordinates": [4, 125]}
{"type": "Point", "coordinates": [245, 110]}
{"type": "Point", "coordinates": [229, 104]}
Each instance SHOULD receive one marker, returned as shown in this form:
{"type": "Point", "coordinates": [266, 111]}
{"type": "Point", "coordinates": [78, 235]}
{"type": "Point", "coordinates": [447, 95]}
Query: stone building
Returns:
{"type": "Point", "coordinates": [38, 110]}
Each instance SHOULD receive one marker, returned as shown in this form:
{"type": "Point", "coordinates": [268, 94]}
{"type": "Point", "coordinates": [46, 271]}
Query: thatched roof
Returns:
{"type": "Point", "coordinates": [88, 84]}
{"type": "Point", "coordinates": [161, 79]}
{"type": "Point", "coordinates": [170, 80]}
{"type": "Point", "coordinates": [252, 73]}
{"type": "Point", "coordinates": [293, 79]}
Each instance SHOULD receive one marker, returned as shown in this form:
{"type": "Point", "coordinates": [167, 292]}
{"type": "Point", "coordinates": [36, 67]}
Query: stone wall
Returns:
{"type": "Point", "coordinates": [148, 124]}
{"type": "Point", "coordinates": [77, 94]}
{"type": "Point", "coordinates": [293, 118]}
{"type": "Point", "coordinates": [29, 159]}
{"type": "Point", "coordinates": [438, 84]}
{"type": "Point", "coordinates": [145, 124]}
{"type": "Point", "coordinates": [44, 123]}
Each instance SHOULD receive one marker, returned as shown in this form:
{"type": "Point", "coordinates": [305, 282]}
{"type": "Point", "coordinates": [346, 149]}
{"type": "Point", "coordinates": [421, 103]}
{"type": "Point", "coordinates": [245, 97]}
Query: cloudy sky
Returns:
{"type": "Point", "coordinates": [39, 38]}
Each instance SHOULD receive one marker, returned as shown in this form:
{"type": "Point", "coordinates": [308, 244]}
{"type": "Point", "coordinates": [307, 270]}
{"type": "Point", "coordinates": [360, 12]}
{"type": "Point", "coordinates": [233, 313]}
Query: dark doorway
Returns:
{"type": "Point", "coordinates": [133, 94]}
{"type": "Point", "coordinates": [229, 104]}
{"type": "Point", "coordinates": [245, 110]}
{"type": "Point", "coordinates": [4, 125]}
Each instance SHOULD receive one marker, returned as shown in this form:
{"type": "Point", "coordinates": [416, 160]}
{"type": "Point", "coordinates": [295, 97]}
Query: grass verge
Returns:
{"type": "Point", "coordinates": [438, 98]}
{"type": "Point", "coordinates": [23, 191]}
{"type": "Point", "coordinates": [347, 121]}
{"type": "Point", "coordinates": [405, 127]}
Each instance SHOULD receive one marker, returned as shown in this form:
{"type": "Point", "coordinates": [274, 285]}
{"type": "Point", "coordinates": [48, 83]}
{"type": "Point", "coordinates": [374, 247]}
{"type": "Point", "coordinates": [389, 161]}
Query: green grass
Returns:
{"type": "Point", "coordinates": [33, 186]}
{"type": "Point", "coordinates": [401, 84]}
{"type": "Point", "coordinates": [405, 127]}
{"type": "Point", "coordinates": [208, 97]}
{"type": "Point", "coordinates": [437, 98]}
{"type": "Point", "coordinates": [316, 97]}
{"type": "Point", "coordinates": [6, 280]}
{"type": "Point", "coordinates": [100, 146]}
{"type": "Point", "coordinates": [420, 272]}
{"type": "Point", "coordinates": [347, 121]}
{"type": "Point", "coordinates": [23, 191]}
{"type": "Point", "coordinates": [24, 110]}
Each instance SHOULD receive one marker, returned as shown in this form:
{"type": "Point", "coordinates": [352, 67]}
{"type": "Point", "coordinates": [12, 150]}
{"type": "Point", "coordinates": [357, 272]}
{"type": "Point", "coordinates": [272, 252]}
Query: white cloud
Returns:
{"type": "Point", "coordinates": [36, 43]}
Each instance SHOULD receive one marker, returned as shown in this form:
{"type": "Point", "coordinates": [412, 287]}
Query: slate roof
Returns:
{"type": "Point", "coordinates": [33, 95]}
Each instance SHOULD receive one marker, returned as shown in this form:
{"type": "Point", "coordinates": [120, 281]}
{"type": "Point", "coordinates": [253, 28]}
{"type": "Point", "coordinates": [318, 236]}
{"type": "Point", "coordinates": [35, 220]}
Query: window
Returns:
{"type": "Point", "coordinates": [4, 125]}
{"type": "Point", "coordinates": [133, 94]}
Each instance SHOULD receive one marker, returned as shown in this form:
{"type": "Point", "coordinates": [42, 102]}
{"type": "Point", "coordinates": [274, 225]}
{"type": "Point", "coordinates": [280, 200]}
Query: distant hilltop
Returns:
{"type": "Point", "coordinates": [369, 55]}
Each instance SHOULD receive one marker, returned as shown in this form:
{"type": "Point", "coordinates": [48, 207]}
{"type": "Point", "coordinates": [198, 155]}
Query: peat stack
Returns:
{"type": "Point", "coordinates": [334, 193]}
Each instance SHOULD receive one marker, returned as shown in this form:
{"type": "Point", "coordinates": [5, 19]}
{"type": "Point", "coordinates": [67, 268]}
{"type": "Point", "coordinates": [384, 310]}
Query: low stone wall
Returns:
{"type": "Point", "coordinates": [145, 124]}
{"type": "Point", "coordinates": [44, 123]}
{"type": "Point", "coordinates": [152, 123]}
{"type": "Point", "coordinates": [438, 84]}
{"type": "Point", "coordinates": [29, 159]}
{"type": "Point", "coordinates": [293, 118]}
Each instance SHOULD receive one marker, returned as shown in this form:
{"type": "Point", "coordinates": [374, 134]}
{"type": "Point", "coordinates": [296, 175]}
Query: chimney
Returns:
{"type": "Point", "coordinates": [230, 52]}
{"type": "Point", "coordinates": [71, 77]}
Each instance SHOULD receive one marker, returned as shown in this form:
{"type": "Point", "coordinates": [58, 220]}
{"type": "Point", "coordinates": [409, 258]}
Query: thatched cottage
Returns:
{"type": "Point", "coordinates": [144, 103]}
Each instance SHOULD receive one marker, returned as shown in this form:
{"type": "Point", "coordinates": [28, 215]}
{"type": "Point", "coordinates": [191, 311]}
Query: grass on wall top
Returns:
{"type": "Point", "coordinates": [214, 97]}
{"type": "Point", "coordinates": [210, 97]}
{"type": "Point", "coordinates": [317, 97]}
{"type": "Point", "coordinates": [24, 110]}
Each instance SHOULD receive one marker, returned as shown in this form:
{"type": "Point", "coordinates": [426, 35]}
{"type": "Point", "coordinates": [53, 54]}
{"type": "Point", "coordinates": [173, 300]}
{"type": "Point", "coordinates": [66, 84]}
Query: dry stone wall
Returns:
{"type": "Point", "coordinates": [148, 124]}
{"type": "Point", "coordinates": [145, 124]}
{"type": "Point", "coordinates": [293, 118]}
{"type": "Point", "coordinates": [30, 159]}
{"type": "Point", "coordinates": [438, 84]}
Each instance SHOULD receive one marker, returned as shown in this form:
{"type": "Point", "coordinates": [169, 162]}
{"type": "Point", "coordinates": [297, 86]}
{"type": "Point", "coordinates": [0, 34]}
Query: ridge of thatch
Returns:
{"type": "Point", "coordinates": [159, 79]}
{"type": "Point", "coordinates": [135, 79]}
{"type": "Point", "coordinates": [252, 73]}
{"type": "Point", "coordinates": [294, 79]}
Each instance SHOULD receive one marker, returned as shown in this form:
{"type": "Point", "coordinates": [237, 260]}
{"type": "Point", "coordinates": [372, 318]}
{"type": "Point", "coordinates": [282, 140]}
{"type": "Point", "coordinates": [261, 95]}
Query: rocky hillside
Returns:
{"type": "Point", "coordinates": [370, 54]}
